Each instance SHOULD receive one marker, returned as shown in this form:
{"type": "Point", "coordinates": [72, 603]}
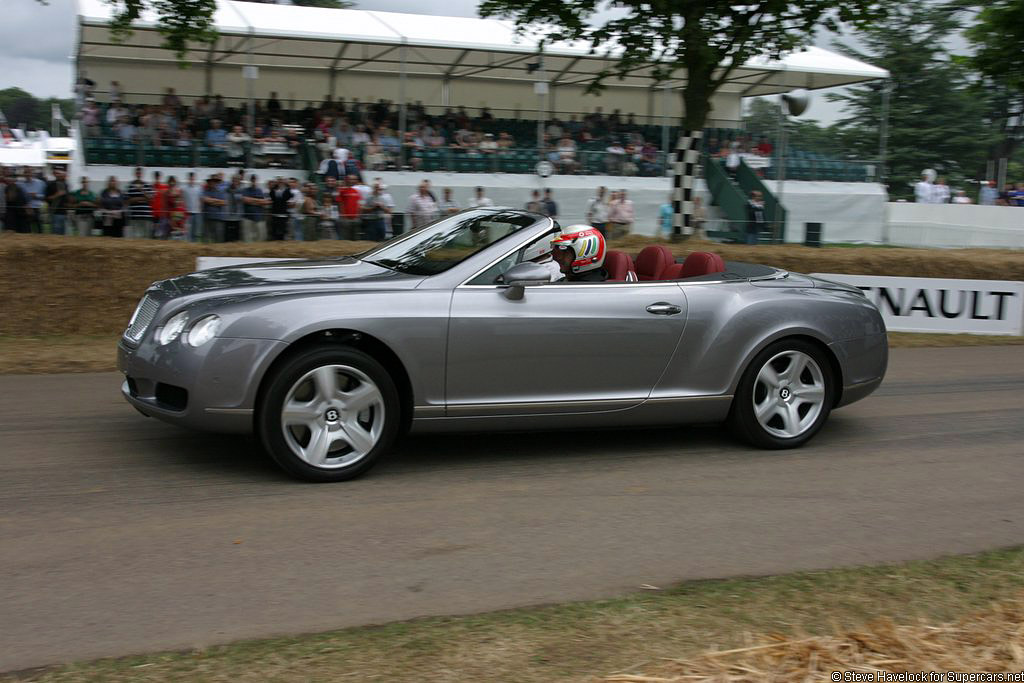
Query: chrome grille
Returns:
{"type": "Point", "coordinates": [143, 316]}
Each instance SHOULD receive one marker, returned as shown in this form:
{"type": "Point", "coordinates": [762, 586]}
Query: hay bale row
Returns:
{"type": "Point", "coordinates": [991, 640]}
{"type": "Point", "coordinates": [72, 285]}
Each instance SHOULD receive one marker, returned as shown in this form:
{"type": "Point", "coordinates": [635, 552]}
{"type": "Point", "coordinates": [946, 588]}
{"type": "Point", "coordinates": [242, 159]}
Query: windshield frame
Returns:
{"type": "Point", "coordinates": [434, 228]}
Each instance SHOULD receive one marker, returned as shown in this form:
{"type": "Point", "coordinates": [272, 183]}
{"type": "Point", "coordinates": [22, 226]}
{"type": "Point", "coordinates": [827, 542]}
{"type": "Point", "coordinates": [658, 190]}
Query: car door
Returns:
{"type": "Point", "coordinates": [563, 347]}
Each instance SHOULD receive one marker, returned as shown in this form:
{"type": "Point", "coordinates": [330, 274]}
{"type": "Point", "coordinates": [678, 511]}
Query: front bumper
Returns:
{"type": "Point", "coordinates": [212, 388]}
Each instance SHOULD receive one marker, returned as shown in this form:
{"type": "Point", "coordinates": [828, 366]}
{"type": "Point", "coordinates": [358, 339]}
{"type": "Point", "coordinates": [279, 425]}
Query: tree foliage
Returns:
{"type": "Point", "coordinates": [997, 41]}
{"type": "Point", "coordinates": [21, 108]}
{"type": "Point", "coordinates": [938, 117]}
{"type": "Point", "coordinates": [707, 40]}
{"type": "Point", "coordinates": [997, 37]}
{"type": "Point", "coordinates": [180, 22]}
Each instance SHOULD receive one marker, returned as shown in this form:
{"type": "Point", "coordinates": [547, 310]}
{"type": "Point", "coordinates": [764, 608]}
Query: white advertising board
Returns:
{"type": "Point", "coordinates": [920, 304]}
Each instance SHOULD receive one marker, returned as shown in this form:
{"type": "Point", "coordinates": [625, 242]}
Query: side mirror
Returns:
{"type": "Point", "coordinates": [518, 277]}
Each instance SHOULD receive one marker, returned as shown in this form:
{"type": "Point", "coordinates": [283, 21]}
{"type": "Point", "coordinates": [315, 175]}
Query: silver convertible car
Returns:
{"type": "Point", "coordinates": [452, 328]}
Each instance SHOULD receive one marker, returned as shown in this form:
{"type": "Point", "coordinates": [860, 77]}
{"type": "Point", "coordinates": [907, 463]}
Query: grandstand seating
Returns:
{"type": "Point", "coordinates": [591, 156]}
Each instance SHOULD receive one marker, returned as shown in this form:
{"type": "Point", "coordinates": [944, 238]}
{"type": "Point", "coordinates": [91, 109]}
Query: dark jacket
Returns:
{"type": "Point", "coordinates": [756, 218]}
{"type": "Point", "coordinates": [596, 275]}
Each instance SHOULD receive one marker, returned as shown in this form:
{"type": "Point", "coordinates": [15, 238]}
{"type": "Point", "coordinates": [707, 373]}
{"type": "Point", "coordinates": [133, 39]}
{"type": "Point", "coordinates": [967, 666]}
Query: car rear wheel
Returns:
{"type": "Point", "coordinates": [328, 414]}
{"type": "Point", "coordinates": [784, 396]}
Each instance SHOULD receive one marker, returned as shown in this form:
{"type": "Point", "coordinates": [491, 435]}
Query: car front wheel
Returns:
{"type": "Point", "coordinates": [328, 414]}
{"type": "Point", "coordinates": [784, 396]}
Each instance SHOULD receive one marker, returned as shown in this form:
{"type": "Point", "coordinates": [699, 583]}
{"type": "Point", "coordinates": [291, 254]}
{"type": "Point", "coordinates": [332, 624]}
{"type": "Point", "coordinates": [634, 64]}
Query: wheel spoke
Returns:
{"type": "Point", "coordinates": [326, 380]}
{"type": "Point", "coordinates": [769, 376]}
{"type": "Point", "coordinates": [360, 398]}
{"type": "Point", "coordinates": [357, 437]}
{"type": "Point", "coordinates": [320, 440]}
{"type": "Point", "coordinates": [299, 413]}
{"type": "Point", "coordinates": [764, 410]}
{"type": "Point", "coordinates": [791, 418]}
{"type": "Point", "coordinates": [797, 363]}
{"type": "Point", "coordinates": [809, 393]}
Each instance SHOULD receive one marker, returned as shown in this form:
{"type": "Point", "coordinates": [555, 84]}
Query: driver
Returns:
{"type": "Point", "coordinates": [579, 251]}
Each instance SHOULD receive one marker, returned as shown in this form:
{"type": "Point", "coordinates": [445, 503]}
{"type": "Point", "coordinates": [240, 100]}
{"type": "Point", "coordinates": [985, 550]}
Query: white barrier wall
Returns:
{"type": "Point", "coordinates": [955, 225]}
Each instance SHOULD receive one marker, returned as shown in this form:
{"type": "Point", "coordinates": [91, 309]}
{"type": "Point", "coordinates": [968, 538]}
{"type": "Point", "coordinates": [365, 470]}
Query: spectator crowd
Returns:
{"type": "Point", "coordinates": [932, 189]}
{"type": "Point", "coordinates": [236, 207]}
{"type": "Point", "coordinates": [369, 132]}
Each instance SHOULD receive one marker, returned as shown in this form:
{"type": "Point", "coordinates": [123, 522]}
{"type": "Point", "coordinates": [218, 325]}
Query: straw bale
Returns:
{"type": "Point", "coordinates": [990, 640]}
{"type": "Point", "coordinates": [73, 285]}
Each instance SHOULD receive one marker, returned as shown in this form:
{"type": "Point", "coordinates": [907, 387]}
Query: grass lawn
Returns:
{"type": "Point", "coordinates": [597, 640]}
{"type": "Point", "coordinates": [98, 353]}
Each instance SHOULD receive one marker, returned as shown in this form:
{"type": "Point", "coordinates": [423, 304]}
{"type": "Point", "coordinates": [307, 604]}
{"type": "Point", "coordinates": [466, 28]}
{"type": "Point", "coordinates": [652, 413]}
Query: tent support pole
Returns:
{"type": "Point", "coordinates": [250, 105]}
{"type": "Point", "coordinates": [402, 114]}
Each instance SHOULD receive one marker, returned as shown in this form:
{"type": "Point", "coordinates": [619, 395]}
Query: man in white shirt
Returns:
{"type": "Point", "coordinates": [448, 205]}
{"type": "Point", "coordinates": [115, 112]}
{"type": "Point", "coordinates": [361, 187]}
{"type": "Point", "coordinates": [597, 212]}
{"type": "Point", "coordinates": [422, 208]}
{"type": "Point", "coordinates": [621, 215]}
{"type": "Point", "coordinates": [923, 189]}
{"type": "Point", "coordinates": [940, 192]}
{"type": "Point", "coordinates": [193, 195]}
{"type": "Point", "coordinates": [479, 199]}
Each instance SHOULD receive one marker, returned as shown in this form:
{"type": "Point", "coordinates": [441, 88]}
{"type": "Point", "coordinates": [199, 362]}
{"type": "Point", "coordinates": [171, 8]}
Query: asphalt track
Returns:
{"type": "Point", "coordinates": [120, 534]}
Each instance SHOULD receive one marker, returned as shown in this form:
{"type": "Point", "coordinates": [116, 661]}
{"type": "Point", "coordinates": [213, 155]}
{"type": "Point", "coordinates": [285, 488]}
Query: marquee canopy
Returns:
{"type": "Point", "coordinates": [452, 48]}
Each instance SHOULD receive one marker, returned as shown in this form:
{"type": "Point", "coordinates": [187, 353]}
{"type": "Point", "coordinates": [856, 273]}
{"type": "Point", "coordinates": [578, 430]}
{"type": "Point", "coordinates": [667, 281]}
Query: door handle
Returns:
{"type": "Point", "coordinates": [664, 308]}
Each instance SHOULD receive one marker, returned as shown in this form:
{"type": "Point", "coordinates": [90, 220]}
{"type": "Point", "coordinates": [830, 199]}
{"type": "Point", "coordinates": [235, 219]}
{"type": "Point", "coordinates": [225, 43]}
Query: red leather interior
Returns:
{"type": "Point", "coordinates": [617, 263]}
{"type": "Point", "coordinates": [673, 272]}
{"type": "Point", "coordinates": [701, 263]}
{"type": "Point", "coordinates": [653, 259]}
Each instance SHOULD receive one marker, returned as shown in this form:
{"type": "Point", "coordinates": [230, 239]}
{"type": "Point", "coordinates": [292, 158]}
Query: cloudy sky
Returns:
{"type": "Point", "coordinates": [37, 41]}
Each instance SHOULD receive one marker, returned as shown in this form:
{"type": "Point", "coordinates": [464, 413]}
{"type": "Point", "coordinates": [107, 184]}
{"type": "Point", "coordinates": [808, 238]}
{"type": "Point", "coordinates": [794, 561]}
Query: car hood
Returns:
{"type": "Point", "coordinates": [285, 275]}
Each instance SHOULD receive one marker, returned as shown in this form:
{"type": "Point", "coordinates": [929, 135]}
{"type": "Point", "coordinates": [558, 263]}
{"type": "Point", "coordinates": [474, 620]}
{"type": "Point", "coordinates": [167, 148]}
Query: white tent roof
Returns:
{"type": "Point", "coordinates": [454, 47]}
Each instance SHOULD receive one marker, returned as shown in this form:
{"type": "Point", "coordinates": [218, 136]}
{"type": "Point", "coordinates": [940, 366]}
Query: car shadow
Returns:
{"type": "Point", "coordinates": [240, 458]}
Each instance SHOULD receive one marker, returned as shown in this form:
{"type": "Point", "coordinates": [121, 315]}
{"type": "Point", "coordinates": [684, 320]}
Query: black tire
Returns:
{"type": "Point", "coordinates": [742, 417]}
{"type": "Point", "coordinates": [294, 372]}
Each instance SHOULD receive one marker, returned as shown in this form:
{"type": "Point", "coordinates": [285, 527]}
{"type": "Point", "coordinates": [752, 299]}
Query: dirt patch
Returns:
{"type": "Point", "coordinates": [89, 286]}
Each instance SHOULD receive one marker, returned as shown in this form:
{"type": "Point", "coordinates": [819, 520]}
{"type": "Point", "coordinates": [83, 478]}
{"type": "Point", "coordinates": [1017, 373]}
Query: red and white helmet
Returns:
{"type": "Point", "coordinates": [587, 244]}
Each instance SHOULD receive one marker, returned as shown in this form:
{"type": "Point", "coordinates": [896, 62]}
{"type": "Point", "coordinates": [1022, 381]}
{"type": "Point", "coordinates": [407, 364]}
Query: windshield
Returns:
{"type": "Point", "coordinates": [438, 246]}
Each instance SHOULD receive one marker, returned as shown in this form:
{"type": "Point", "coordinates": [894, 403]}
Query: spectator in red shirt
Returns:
{"type": "Point", "coordinates": [349, 200]}
{"type": "Point", "coordinates": [156, 204]}
{"type": "Point", "coordinates": [764, 148]}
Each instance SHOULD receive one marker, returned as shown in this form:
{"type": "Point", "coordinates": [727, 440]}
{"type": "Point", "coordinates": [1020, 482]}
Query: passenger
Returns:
{"type": "Point", "coordinates": [580, 251]}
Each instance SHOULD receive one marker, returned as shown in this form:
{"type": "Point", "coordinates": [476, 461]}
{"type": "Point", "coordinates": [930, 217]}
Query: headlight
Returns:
{"type": "Point", "coordinates": [203, 330]}
{"type": "Point", "coordinates": [172, 328]}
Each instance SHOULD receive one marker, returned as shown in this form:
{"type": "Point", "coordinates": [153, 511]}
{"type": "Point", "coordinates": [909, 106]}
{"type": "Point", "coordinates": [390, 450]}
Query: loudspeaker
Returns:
{"type": "Point", "coordinates": [796, 102]}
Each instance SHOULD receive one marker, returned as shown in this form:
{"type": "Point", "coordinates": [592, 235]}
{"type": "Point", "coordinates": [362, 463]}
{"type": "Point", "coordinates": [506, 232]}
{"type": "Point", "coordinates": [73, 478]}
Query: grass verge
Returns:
{"type": "Point", "coordinates": [97, 353]}
{"type": "Point", "coordinates": [599, 640]}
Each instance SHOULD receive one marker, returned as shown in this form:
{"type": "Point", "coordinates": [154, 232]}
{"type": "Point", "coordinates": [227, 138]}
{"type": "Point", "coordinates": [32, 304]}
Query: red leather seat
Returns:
{"type": "Point", "coordinates": [673, 272]}
{"type": "Point", "coordinates": [652, 261]}
{"type": "Point", "coordinates": [618, 264]}
{"type": "Point", "coordinates": [701, 263]}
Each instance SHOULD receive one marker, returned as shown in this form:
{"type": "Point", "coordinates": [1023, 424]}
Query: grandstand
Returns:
{"type": "Point", "coordinates": [339, 65]}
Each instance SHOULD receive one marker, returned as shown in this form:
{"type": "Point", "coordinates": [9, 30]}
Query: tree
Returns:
{"type": "Point", "coordinates": [937, 117]}
{"type": "Point", "coordinates": [708, 40]}
{"type": "Point", "coordinates": [997, 40]}
{"type": "Point", "coordinates": [19, 107]}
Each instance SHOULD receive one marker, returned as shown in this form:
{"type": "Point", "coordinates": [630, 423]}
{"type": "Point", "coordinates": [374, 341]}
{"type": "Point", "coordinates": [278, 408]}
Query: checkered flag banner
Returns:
{"type": "Point", "coordinates": [684, 170]}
